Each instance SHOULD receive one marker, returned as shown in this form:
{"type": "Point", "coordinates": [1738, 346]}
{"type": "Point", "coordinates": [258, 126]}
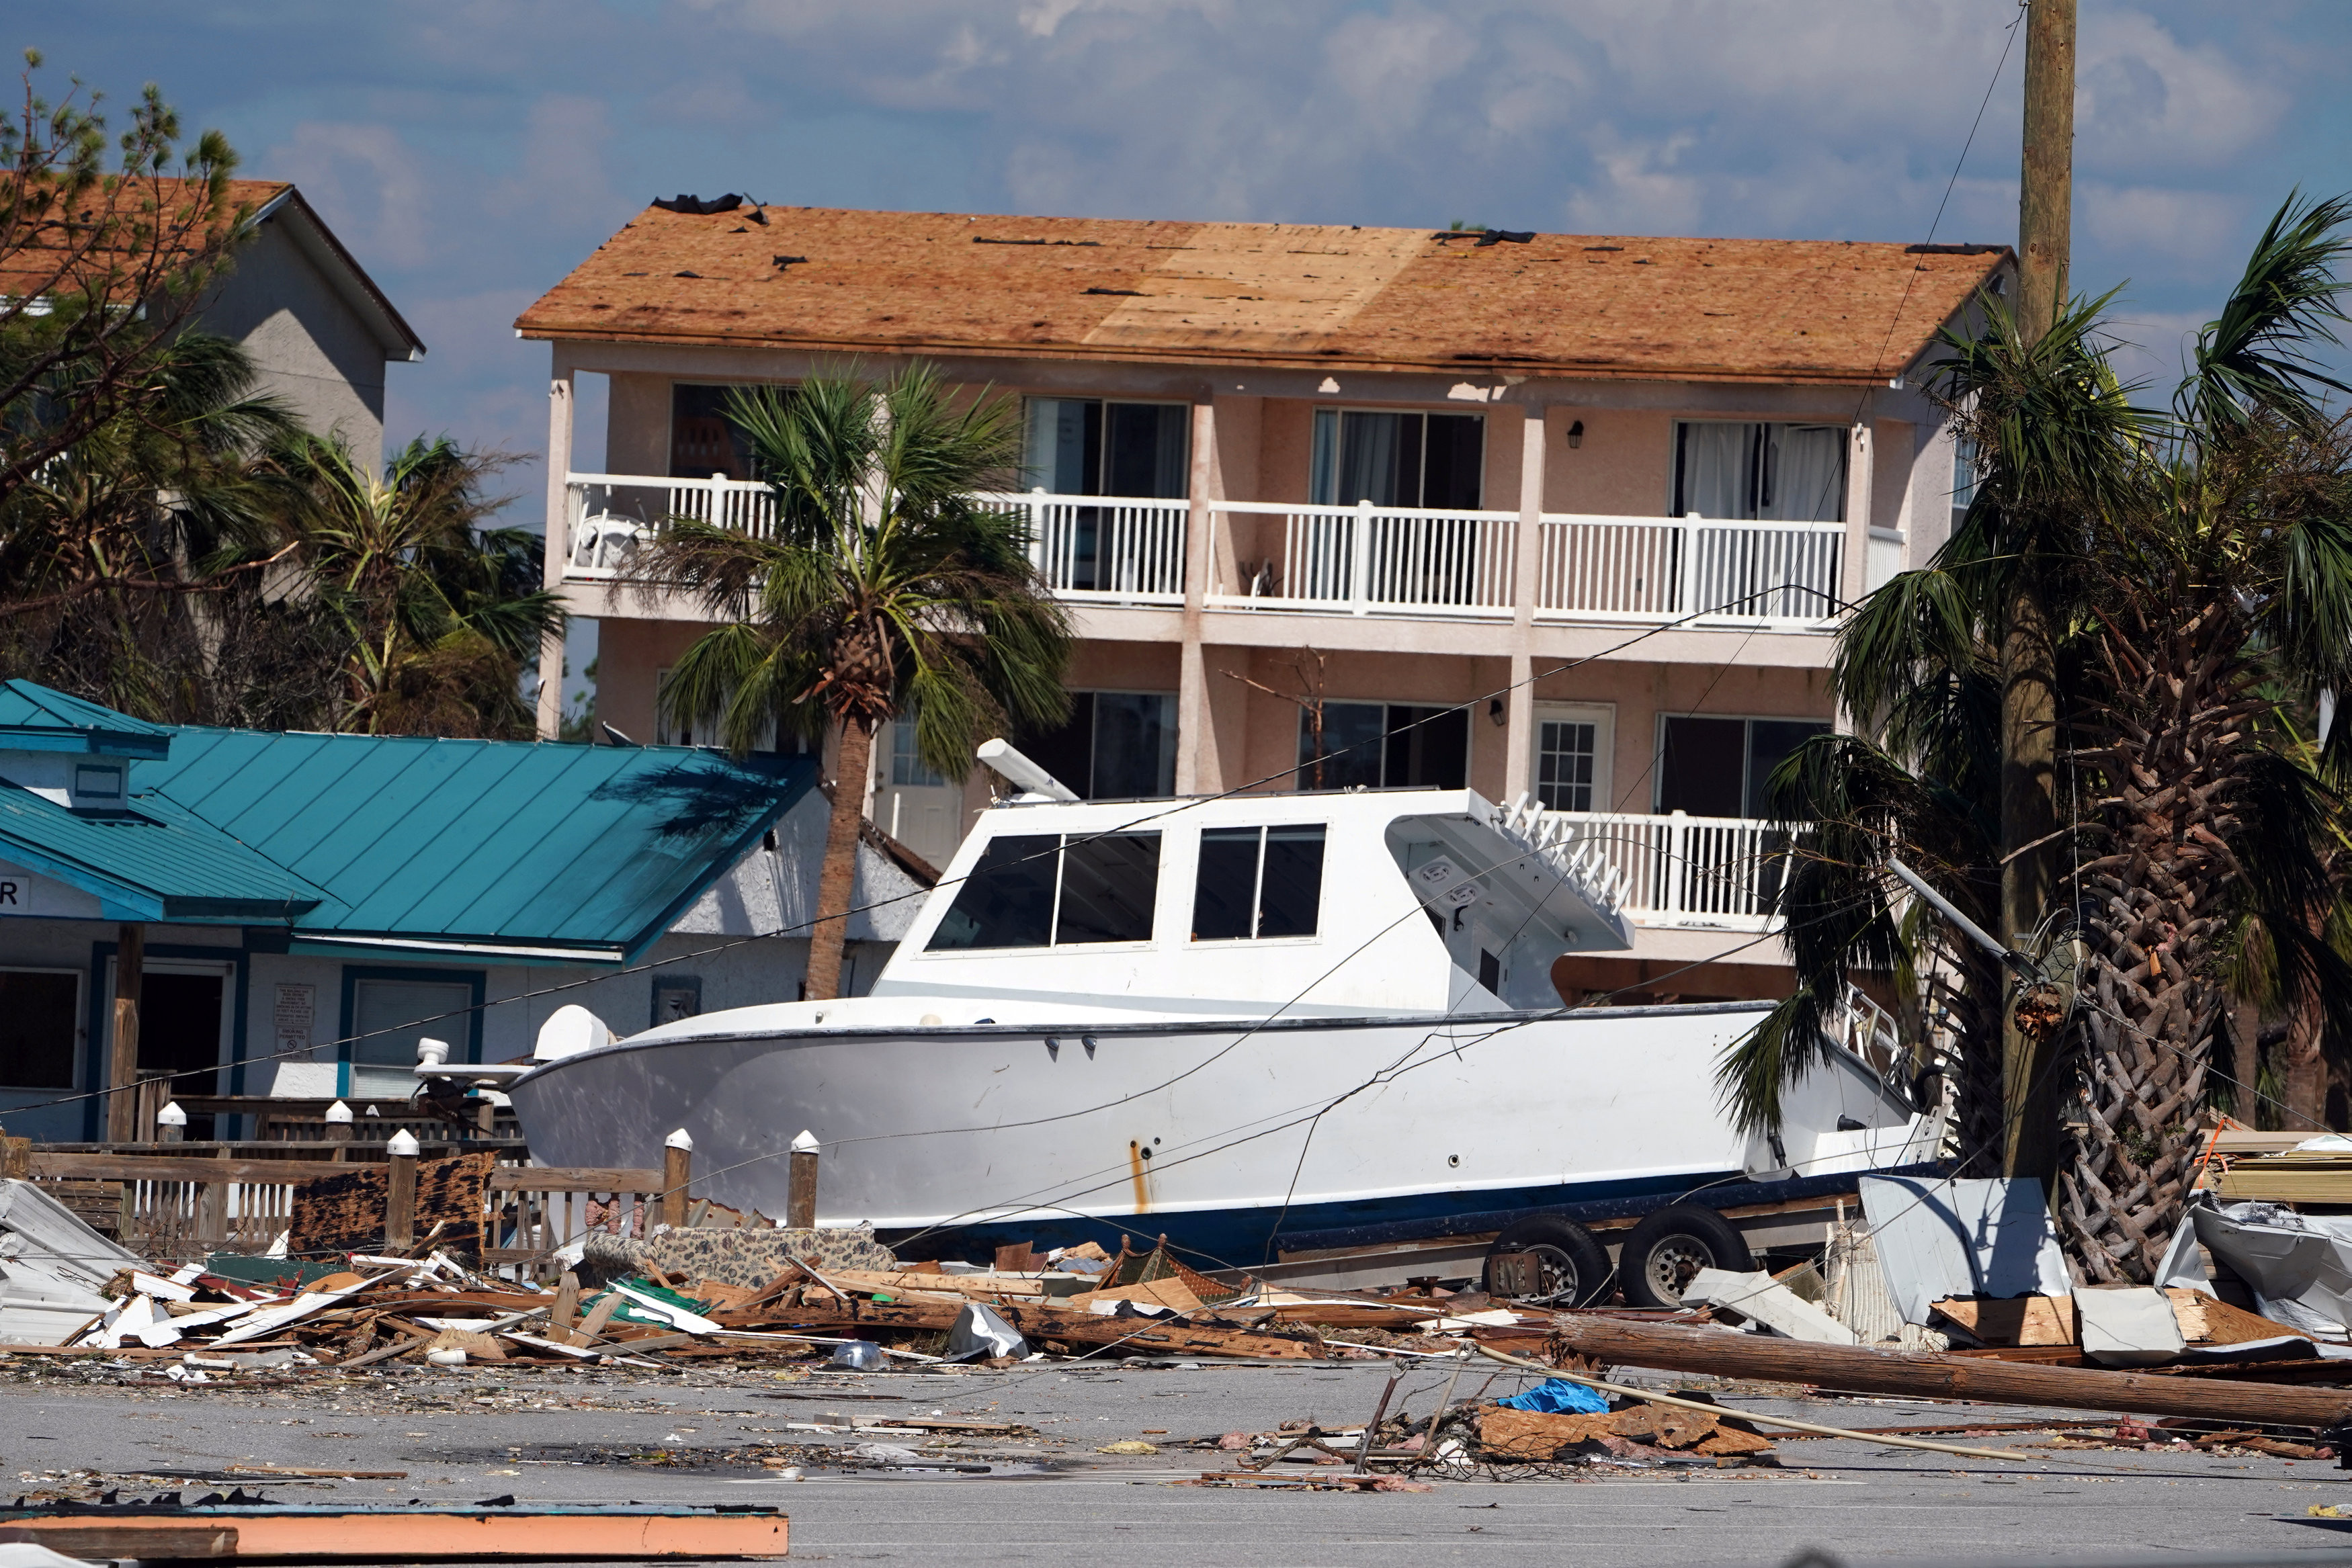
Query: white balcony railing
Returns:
{"type": "Point", "coordinates": [1106, 549]}
{"type": "Point", "coordinates": [1361, 561]}
{"type": "Point", "coordinates": [1676, 870]}
{"type": "Point", "coordinates": [1357, 560]}
{"type": "Point", "coordinates": [1648, 569]}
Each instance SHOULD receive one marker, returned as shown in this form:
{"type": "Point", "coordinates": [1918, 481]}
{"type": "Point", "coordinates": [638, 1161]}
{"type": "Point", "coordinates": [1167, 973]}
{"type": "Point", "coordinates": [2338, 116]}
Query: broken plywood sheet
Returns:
{"type": "Point", "coordinates": [1258, 286]}
{"type": "Point", "coordinates": [2021, 1321]}
{"type": "Point", "coordinates": [346, 1213]}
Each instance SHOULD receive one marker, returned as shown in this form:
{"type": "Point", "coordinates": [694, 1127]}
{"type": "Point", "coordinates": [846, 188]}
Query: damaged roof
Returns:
{"type": "Point", "coordinates": [1292, 295]}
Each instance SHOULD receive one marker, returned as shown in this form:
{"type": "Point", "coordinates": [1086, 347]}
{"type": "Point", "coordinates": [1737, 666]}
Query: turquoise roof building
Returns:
{"type": "Point", "coordinates": [308, 900]}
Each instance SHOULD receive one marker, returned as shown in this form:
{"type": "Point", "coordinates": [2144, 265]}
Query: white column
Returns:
{"type": "Point", "coordinates": [1519, 708]}
{"type": "Point", "coordinates": [1194, 738]}
{"type": "Point", "coordinates": [558, 546]}
{"type": "Point", "coordinates": [1854, 566]}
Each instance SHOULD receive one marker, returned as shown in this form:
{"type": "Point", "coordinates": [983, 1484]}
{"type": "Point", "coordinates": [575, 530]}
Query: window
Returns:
{"type": "Point", "coordinates": [1385, 746]}
{"type": "Point", "coordinates": [1964, 478]}
{"type": "Point", "coordinates": [1721, 767]}
{"type": "Point", "coordinates": [1573, 758]}
{"type": "Point", "coordinates": [1086, 446]}
{"type": "Point", "coordinates": [1258, 883]}
{"type": "Point", "coordinates": [1036, 890]}
{"type": "Point", "coordinates": [907, 769]}
{"type": "Point", "coordinates": [38, 1028]}
{"type": "Point", "coordinates": [1786, 472]}
{"type": "Point", "coordinates": [389, 1017]}
{"type": "Point", "coordinates": [1398, 459]}
{"type": "Point", "coordinates": [704, 438]}
{"type": "Point", "coordinates": [1117, 746]}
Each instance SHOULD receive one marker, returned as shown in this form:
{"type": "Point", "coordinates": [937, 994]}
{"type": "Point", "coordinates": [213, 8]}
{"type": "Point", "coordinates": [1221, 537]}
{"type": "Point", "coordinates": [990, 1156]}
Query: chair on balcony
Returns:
{"type": "Point", "coordinates": [605, 542]}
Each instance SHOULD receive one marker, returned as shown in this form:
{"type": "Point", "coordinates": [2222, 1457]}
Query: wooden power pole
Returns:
{"type": "Point", "coordinates": [2031, 1092]}
{"type": "Point", "coordinates": [122, 1076]}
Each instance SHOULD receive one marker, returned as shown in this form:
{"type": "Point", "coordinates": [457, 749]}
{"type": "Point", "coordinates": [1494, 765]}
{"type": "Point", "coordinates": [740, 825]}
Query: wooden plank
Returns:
{"type": "Point", "coordinates": [2023, 1320]}
{"type": "Point", "coordinates": [126, 1538]}
{"type": "Point", "coordinates": [176, 1168]}
{"type": "Point", "coordinates": [575, 1178]}
{"type": "Point", "coordinates": [1145, 1334]}
{"type": "Point", "coordinates": [946, 1284]}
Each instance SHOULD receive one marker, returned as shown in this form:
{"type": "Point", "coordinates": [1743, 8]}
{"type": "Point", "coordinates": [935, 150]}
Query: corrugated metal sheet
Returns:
{"type": "Point", "coordinates": [482, 841]}
{"type": "Point", "coordinates": [1306, 296]}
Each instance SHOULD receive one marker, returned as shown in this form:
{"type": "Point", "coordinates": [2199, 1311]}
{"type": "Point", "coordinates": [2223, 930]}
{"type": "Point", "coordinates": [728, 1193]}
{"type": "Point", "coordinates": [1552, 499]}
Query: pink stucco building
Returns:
{"type": "Point", "coordinates": [1601, 498]}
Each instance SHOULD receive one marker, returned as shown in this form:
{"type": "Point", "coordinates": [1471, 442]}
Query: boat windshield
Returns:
{"type": "Point", "coordinates": [1054, 890]}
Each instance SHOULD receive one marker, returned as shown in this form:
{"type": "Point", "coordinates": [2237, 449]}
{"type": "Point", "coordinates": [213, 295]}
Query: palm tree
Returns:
{"type": "Point", "coordinates": [116, 552]}
{"type": "Point", "coordinates": [430, 616]}
{"type": "Point", "coordinates": [886, 588]}
{"type": "Point", "coordinates": [2194, 570]}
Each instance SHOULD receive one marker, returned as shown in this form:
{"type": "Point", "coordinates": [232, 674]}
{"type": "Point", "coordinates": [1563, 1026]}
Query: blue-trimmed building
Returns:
{"type": "Point", "coordinates": [312, 904]}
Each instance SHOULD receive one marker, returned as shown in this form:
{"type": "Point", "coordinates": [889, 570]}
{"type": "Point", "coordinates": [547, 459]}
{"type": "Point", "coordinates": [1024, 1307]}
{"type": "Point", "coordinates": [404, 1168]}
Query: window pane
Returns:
{"type": "Point", "coordinates": [1564, 749]}
{"type": "Point", "coordinates": [1457, 450]}
{"type": "Point", "coordinates": [1715, 464]}
{"type": "Point", "coordinates": [1700, 768]}
{"type": "Point", "coordinates": [1227, 882]}
{"type": "Point", "coordinates": [703, 436]}
{"type": "Point", "coordinates": [1135, 745]}
{"type": "Point", "coordinates": [1065, 445]}
{"type": "Point", "coordinates": [1372, 450]}
{"type": "Point", "coordinates": [1108, 887]}
{"type": "Point", "coordinates": [906, 768]}
{"type": "Point", "coordinates": [1323, 472]}
{"type": "Point", "coordinates": [388, 1018]}
{"type": "Point", "coordinates": [1144, 449]}
{"type": "Point", "coordinates": [1067, 753]}
{"type": "Point", "coordinates": [1769, 741]}
{"type": "Point", "coordinates": [37, 1030]}
{"type": "Point", "coordinates": [1804, 474]}
{"type": "Point", "coordinates": [1352, 747]}
{"type": "Point", "coordinates": [1292, 890]}
{"type": "Point", "coordinates": [1427, 747]}
{"type": "Point", "coordinates": [1008, 899]}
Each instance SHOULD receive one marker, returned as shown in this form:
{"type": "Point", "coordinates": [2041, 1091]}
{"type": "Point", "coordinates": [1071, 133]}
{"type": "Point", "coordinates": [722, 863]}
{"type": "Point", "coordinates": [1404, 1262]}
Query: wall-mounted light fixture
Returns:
{"type": "Point", "coordinates": [1576, 433]}
{"type": "Point", "coordinates": [1494, 710]}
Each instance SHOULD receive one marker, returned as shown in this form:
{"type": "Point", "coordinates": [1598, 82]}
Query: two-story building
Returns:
{"type": "Point", "coordinates": [1568, 515]}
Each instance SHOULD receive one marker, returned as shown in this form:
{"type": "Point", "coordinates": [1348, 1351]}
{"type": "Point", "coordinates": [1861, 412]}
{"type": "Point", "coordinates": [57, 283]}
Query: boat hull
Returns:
{"type": "Point", "coordinates": [1220, 1136]}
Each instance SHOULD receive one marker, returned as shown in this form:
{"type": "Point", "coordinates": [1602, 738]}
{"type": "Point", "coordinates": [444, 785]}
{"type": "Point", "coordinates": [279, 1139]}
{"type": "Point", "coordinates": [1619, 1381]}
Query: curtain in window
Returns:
{"type": "Point", "coordinates": [1805, 474]}
{"type": "Point", "coordinates": [1717, 460]}
{"type": "Point", "coordinates": [1370, 448]}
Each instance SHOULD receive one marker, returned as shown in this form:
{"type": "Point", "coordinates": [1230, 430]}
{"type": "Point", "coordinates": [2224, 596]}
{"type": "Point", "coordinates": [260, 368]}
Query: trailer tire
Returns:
{"type": "Point", "coordinates": [1672, 1244]}
{"type": "Point", "coordinates": [1571, 1257]}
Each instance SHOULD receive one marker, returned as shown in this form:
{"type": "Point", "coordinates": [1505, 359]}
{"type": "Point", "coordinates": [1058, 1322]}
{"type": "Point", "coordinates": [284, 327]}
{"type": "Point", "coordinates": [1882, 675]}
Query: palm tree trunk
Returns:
{"type": "Point", "coordinates": [836, 883]}
{"type": "Point", "coordinates": [2245, 1059]}
{"type": "Point", "coordinates": [2303, 1067]}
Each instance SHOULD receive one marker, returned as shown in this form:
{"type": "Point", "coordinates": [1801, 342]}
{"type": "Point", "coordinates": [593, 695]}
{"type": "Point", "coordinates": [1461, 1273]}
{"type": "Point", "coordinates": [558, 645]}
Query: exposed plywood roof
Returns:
{"type": "Point", "coordinates": [1306, 296]}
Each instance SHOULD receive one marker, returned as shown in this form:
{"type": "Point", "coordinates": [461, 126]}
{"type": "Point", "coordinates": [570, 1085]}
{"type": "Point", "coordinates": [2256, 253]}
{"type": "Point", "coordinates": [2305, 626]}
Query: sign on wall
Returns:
{"type": "Point", "coordinates": [27, 892]}
{"type": "Point", "coordinates": [293, 1016]}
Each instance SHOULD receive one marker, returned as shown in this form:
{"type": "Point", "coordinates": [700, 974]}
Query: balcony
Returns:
{"type": "Point", "coordinates": [1714, 873]}
{"type": "Point", "coordinates": [1361, 561]}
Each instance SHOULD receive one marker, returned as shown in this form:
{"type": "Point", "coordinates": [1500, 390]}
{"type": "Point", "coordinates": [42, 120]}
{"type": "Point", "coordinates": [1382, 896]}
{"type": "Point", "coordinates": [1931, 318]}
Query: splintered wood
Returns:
{"type": "Point", "coordinates": [345, 1212]}
{"type": "Point", "coordinates": [1525, 1436]}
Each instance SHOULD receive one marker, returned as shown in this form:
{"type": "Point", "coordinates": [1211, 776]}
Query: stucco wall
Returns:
{"type": "Point", "coordinates": [313, 349]}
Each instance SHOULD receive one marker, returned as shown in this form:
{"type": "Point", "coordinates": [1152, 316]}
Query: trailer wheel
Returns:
{"type": "Point", "coordinates": [1574, 1267]}
{"type": "Point", "coordinates": [1670, 1247]}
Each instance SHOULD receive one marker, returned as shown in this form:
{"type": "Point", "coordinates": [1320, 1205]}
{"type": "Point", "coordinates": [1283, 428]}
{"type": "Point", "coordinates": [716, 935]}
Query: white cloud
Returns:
{"type": "Point", "coordinates": [2146, 101]}
{"type": "Point", "coordinates": [365, 182]}
{"type": "Point", "coordinates": [2179, 230]}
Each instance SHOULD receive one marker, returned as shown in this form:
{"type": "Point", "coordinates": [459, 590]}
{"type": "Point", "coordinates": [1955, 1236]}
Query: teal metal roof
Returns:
{"type": "Point", "coordinates": [153, 862]}
{"type": "Point", "coordinates": [534, 848]}
{"type": "Point", "coordinates": [35, 718]}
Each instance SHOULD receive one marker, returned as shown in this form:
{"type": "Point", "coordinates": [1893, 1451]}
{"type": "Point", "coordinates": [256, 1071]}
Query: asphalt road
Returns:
{"type": "Point", "coordinates": [547, 1436]}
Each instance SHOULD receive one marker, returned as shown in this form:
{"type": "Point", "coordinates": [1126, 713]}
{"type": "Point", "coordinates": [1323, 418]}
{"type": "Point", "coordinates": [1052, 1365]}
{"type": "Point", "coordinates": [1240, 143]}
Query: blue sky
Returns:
{"type": "Point", "coordinates": [470, 152]}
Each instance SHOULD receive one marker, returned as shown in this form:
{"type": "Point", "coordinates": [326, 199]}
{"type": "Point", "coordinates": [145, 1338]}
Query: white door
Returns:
{"type": "Point", "coordinates": [912, 804]}
{"type": "Point", "coordinates": [1574, 757]}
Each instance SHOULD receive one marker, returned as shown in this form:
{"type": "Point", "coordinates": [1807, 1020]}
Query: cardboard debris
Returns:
{"type": "Point", "coordinates": [1525, 1437]}
{"type": "Point", "coordinates": [344, 1213]}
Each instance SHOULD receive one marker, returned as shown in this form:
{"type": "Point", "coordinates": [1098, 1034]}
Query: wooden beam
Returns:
{"type": "Point", "coordinates": [122, 1074]}
{"type": "Point", "coordinates": [1620, 1343]}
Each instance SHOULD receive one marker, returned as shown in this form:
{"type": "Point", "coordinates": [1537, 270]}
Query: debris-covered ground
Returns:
{"type": "Point", "coordinates": [1050, 1461]}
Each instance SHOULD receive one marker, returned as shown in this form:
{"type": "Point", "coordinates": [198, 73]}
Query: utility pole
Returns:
{"type": "Point", "coordinates": [2031, 1093]}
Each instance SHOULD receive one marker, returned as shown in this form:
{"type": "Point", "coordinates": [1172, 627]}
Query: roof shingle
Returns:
{"type": "Point", "coordinates": [1304, 296]}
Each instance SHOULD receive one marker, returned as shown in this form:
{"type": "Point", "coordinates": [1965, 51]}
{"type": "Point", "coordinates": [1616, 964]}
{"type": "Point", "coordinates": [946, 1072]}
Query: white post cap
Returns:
{"type": "Point", "coordinates": [806, 1143]}
{"type": "Point", "coordinates": [404, 1142]}
{"type": "Point", "coordinates": [171, 1115]}
{"type": "Point", "coordinates": [432, 1053]}
{"type": "Point", "coordinates": [338, 1112]}
{"type": "Point", "coordinates": [678, 1140]}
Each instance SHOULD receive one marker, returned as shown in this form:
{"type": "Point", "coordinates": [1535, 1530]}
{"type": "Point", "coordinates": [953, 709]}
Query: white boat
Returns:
{"type": "Point", "coordinates": [1218, 1020]}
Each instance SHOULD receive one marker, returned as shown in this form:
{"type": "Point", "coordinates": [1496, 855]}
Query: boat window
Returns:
{"type": "Point", "coordinates": [1258, 882]}
{"type": "Point", "coordinates": [1008, 899]}
{"type": "Point", "coordinates": [1108, 884]}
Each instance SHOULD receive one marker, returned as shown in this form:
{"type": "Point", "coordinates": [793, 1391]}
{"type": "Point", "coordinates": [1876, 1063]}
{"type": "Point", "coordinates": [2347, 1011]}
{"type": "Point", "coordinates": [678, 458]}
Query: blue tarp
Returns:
{"type": "Point", "coordinates": [1558, 1397]}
